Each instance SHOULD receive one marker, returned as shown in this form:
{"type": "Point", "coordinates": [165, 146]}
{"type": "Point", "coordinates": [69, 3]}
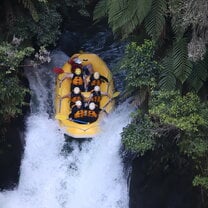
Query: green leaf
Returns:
{"type": "Point", "coordinates": [100, 10]}
{"type": "Point", "coordinates": [167, 77]}
{"type": "Point", "coordinates": [182, 66]}
{"type": "Point", "coordinates": [155, 20]}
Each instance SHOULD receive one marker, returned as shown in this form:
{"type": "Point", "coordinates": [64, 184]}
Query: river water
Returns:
{"type": "Point", "coordinates": [84, 175]}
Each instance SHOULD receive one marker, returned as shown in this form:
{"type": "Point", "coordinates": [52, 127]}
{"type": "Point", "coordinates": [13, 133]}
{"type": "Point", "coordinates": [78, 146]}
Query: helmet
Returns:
{"type": "Point", "coordinates": [92, 106]}
{"type": "Point", "coordinates": [77, 71]}
{"type": "Point", "coordinates": [77, 61]}
{"type": "Point", "coordinates": [78, 103]}
{"type": "Point", "coordinates": [97, 88]}
{"type": "Point", "coordinates": [96, 75]}
{"type": "Point", "coordinates": [76, 90]}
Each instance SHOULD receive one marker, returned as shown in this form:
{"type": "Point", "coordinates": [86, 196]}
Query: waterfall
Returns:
{"type": "Point", "coordinates": [59, 175]}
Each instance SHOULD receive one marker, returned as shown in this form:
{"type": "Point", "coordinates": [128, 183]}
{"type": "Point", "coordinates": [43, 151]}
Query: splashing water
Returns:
{"type": "Point", "coordinates": [89, 175]}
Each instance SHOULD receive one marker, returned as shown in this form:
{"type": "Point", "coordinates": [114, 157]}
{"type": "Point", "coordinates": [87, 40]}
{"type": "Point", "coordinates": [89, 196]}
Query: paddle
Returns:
{"type": "Point", "coordinates": [58, 70]}
{"type": "Point", "coordinates": [64, 117]}
{"type": "Point", "coordinates": [115, 94]}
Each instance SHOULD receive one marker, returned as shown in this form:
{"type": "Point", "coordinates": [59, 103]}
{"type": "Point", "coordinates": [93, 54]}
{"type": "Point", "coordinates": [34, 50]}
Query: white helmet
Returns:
{"type": "Point", "coordinates": [96, 75]}
{"type": "Point", "coordinates": [97, 88]}
{"type": "Point", "coordinates": [78, 71]}
{"type": "Point", "coordinates": [78, 103]}
{"type": "Point", "coordinates": [77, 61]}
{"type": "Point", "coordinates": [76, 90]}
{"type": "Point", "coordinates": [92, 106]}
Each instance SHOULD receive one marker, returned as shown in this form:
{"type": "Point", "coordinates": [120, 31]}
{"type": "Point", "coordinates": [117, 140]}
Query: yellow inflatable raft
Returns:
{"type": "Point", "coordinates": [62, 107]}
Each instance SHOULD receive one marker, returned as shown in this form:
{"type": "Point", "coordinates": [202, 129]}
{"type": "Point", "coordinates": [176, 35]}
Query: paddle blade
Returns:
{"type": "Point", "coordinates": [58, 70]}
{"type": "Point", "coordinates": [115, 94]}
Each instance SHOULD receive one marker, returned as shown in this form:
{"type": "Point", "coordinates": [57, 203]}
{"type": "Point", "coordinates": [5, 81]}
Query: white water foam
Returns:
{"type": "Point", "coordinates": [89, 175]}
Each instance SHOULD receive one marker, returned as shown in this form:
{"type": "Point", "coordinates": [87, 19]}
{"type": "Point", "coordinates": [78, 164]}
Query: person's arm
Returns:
{"type": "Point", "coordinates": [67, 76]}
{"type": "Point", "coordinates": [105, 93]}
{"type": "Point", "coordinates": [89, 99]}
{"type": "Point", "coordinates": [90, 69]}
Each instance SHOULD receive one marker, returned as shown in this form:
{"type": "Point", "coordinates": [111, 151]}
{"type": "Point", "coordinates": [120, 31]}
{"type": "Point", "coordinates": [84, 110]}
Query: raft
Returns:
{"type": "Point", "coordinates": [62, 107]}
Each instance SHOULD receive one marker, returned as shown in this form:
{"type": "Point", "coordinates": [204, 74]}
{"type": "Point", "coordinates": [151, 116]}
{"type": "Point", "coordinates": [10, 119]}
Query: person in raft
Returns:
{"type": "Point", "coordinates": [75, 95]}
{"type": "Point", "coordinates": [87, 70]}
{"type": "Point", "coordinates": [75, 62]}
{"type": "Point", "coordinates": [95, 80]}
{"type": "Point", "coordinates": [77, 79]}
{"type": "Point", "coordinates": [96, 96]}
{"type": "Point", "coordinates": [91, 112]}
{"type": "Point", "coordinates": [77, 113]}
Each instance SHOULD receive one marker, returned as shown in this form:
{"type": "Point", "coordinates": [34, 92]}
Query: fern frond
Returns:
{"type": "Point", "coordinates": [167, 77]}
{"type": "Point", "coordinates": [123, 15]}
{"type": "Point", "coordinates": [28, 4]}
{"type": "Point", "coordinates": [176, 8]}
{"type": "Point", "coordinates": [155, 20]}
{"type": "Point", "coordinates": [182, 66]}
{"type": "Point", "coordinates": [199, 74]}
{"type": "Point", "coordinates": [100, 10]}
{"type": "Point", "coordinates": [132, 16]}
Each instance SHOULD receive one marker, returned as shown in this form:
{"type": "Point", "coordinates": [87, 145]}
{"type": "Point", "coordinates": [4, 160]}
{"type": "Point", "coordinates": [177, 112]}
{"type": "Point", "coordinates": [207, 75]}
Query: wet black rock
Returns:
{"type": "Point", "coordinates": [11, 150]}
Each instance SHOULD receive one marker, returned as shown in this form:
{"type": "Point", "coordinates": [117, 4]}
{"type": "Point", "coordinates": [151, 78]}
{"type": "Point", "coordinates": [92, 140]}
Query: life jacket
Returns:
{"type": "Point", "coordinates": [95, 82]}
{"type": "Point", "coordinates": [91, 113]}
{"type": "Point", "coordinates": [76, 112]}
{"type": "Point", "coordinates": [76, 97]}
{"type": "Point", "coordinates": [96, 98]}
{"type": "Point", "coordinates": [77, 80]}
{"type": "Point", "coordinates": [79, 114]}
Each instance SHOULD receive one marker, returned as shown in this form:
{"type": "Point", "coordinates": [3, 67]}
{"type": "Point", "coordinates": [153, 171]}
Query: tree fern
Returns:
{"type": "Point", "coordinates": [176, 66]}
{"type": "Point", "coordinates": [155, 20]}
{"type": "Point", "coordinates": [199, 74]}
{"type": "Point", "coordinates": [132, 16]}
{"type": "Point", "coordinates": [181, 65]}
{"type": "Point", "coordinates": [100, 10]}
{"type": "Point", "coordinates": [28, 4]}
{"type": "Point", "coordinates": [167, 77]}
{"type": "Point", "coordinates": [115, 13]}
{"type": "Point", "coordinates": [123, 15]}
{"type": "Point", "coordinates": [176, 10]}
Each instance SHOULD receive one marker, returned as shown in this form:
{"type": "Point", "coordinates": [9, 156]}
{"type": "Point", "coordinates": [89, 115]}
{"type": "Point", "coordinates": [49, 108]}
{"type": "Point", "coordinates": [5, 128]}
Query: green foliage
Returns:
{"type": "Point", "coordinates": [201, 181]}
{"type": "Point", "coordinates": [176, 13]}
{"type": "Point", "coordinates": [155, 20]}
{"type": "Point", "coordinates": [172, 19]}
{"type": "Point", "coordinates": [11, 56]}
{"type": "Point", "coordinates": [12, 93]}
{"type": "Point", "coordinates": [186, 113]}
{"type": "Point", "coordinates": [199, 74]}
{"type": "Point", "coordinates": [101, 10]}
{"type": "Point", "coordinates": [182, 67]}
{"type": "Point", "coordinates": [167, 77]}
{"type": "Point", "coordinates": [138, 137]}
{"type": "Point", "coordinates": [44, 32]}
{"type": "Point", "coordinates": [11, 97]}
{"type": "Point", "coordinates": [176, 66]}
{"type": "Point", "coordinates": [194, 145]}
{"type": "Point", "coordinates": [141, 69]}
{"type": "Point", "coordinates": [28, 4]}
{"type": "Point", "coordinates": [123, 16]}
{"type": "Point", "coordinates": [190, 115]}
